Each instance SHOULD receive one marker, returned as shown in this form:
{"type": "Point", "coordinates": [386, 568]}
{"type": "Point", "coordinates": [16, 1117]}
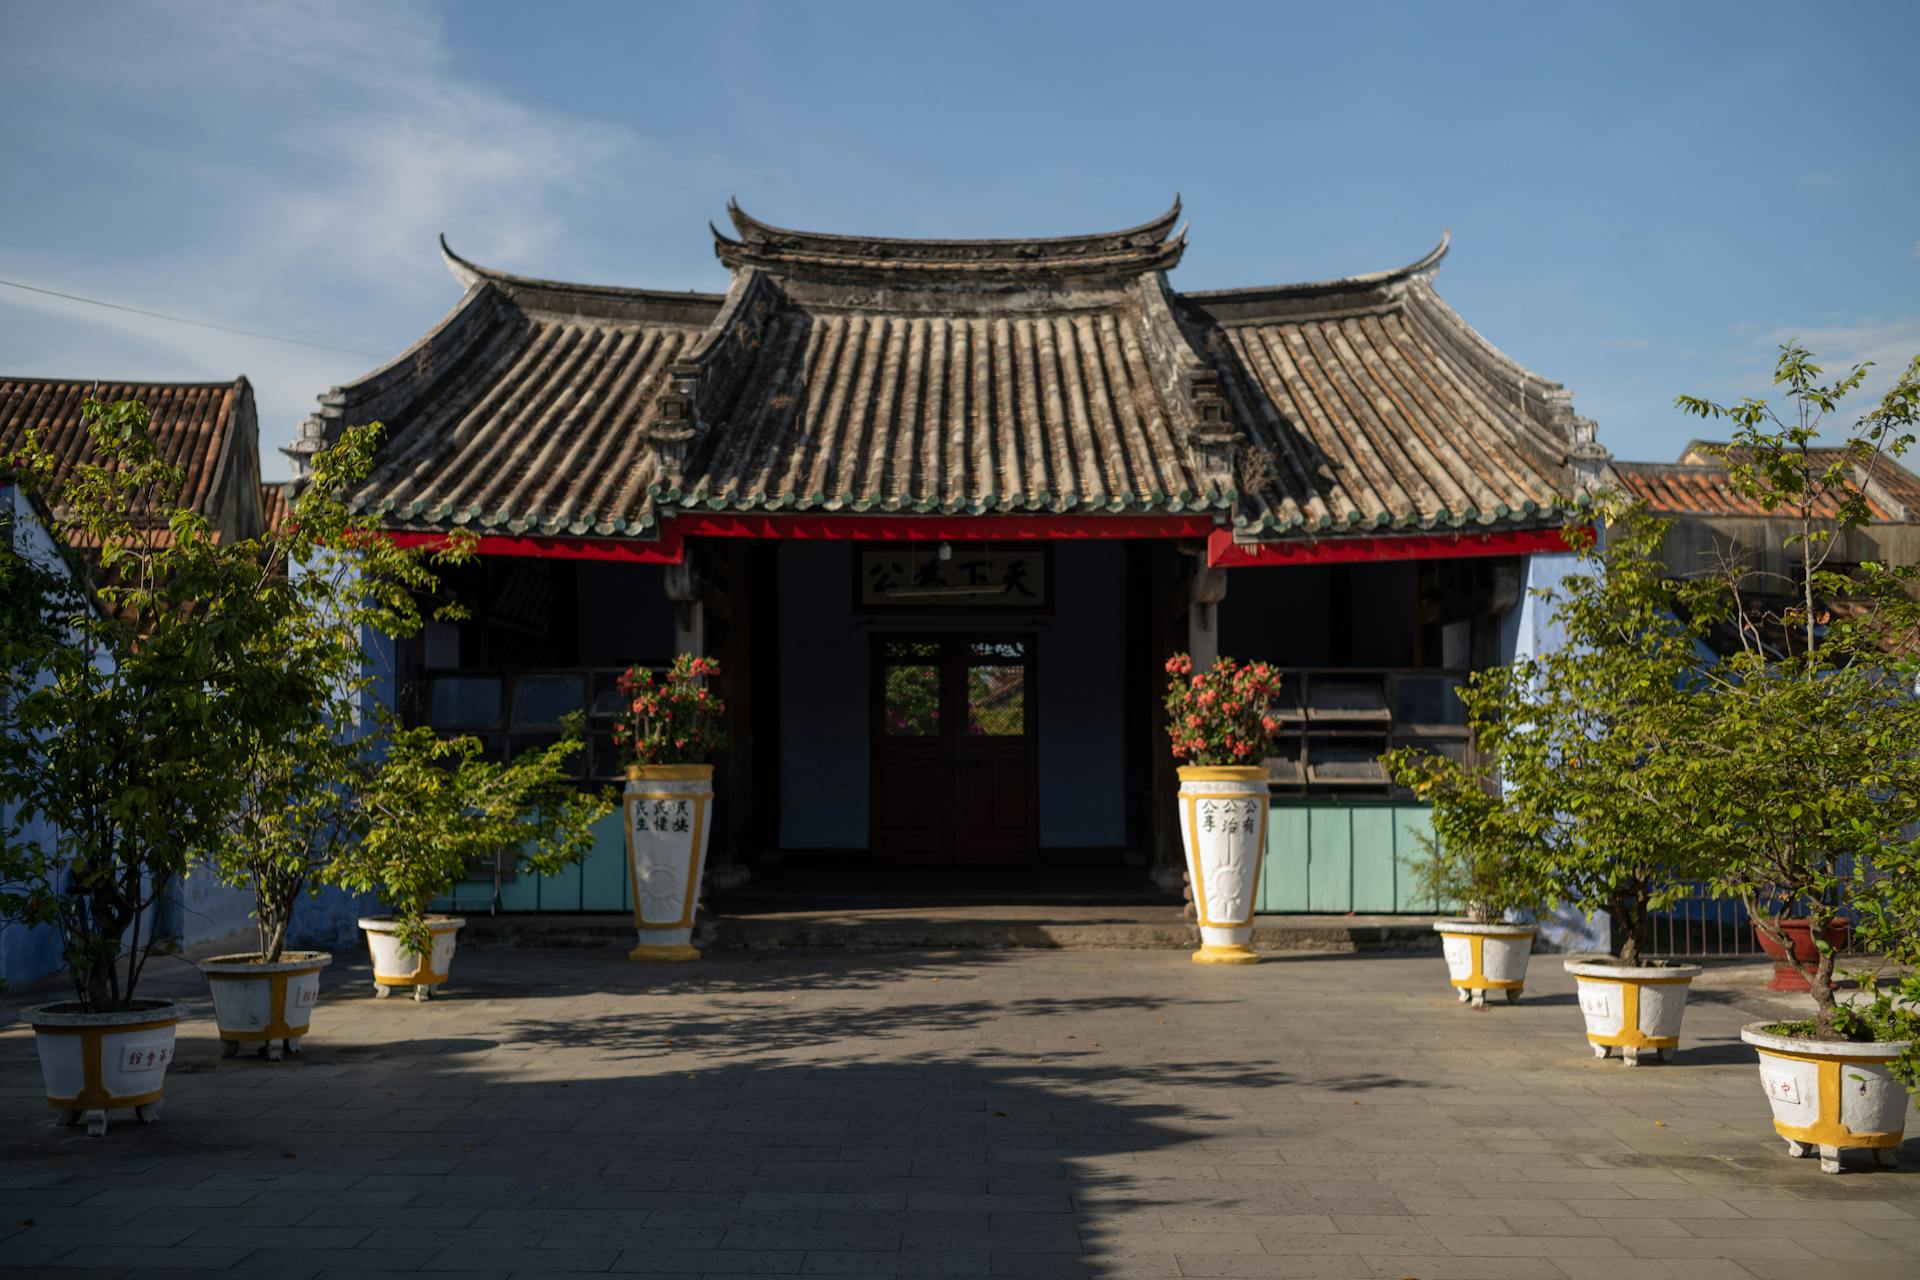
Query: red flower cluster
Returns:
{"type": "Point", "coordinates": [1223, 715]}
{"type": "Point", "coordinates": [670, 719]}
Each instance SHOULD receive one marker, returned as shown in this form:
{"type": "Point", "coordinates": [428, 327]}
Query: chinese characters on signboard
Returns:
{"type": "Point", "coordinates": [913, 577]}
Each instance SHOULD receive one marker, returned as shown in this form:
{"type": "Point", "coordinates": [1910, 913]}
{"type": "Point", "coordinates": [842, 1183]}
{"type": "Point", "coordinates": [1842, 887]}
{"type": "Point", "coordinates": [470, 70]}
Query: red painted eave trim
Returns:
{"type": "Point", "coordinates": [1224, 553]}
{"type": "Point", "coordinates": [666, 550]}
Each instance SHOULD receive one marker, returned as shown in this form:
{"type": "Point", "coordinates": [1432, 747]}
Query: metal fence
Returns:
{"type": "Point", "coordinates": [1703, 926]}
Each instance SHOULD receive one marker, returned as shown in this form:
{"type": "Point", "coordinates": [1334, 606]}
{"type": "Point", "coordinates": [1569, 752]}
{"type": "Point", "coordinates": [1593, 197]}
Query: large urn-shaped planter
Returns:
{"type": "Point", "coordinates": [1828, 1095]}
{"type": "Point", "coordinates": [1632, 1007]}
{"type": "Point", "coordinates": [1485, 957]}
{"type": "Point", "coordinates": [94, 1062]}
{"type": "Point", "coordinates": [669, 817]}
{"type": "Point", "coordinates": [1223, 824]}
{"type": "Point", "coordinates": [1800, 934]}
{"type": "Point", "coordinates": [271, 1005]}
{"type": "Point", "coordinates": [396, 966]}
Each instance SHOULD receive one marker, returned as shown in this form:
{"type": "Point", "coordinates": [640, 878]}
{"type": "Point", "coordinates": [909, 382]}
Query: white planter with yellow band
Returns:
{"type": "Point", "coordinates": [1828, 1095]}
{"type": "Point", "coordinates": [1485, 957]}
{"type": "Point", "coordinates": [397, 966]}
{"type": "Point", "coordinates": [1223, 824]}
{"type": "Point", "coordinates": [669, 820]}
{"type": "Point", "coordinates": [267, 1004]}
{"type": "Point", "coordinates": [94, 1062]}
{"type": "Point", "coordinates": [1633, 1007]}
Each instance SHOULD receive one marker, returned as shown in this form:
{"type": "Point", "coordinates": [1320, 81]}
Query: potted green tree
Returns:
{"type": "Point", "coordinates": [1485, 858]}
{"type": "Point", "coordinates": [670, 726]}
{"type": "Point", "coordinates": [1583, 739]}
{"type": "Point", "coordinates": [1803, 761]}
{"type": "Point", "coordinates": [330, 579]}
{"type": "Point", "coordinates": [1220, 722]}
{"type": "Point", "coordinates": [433, 807]}
{"type": "Point", "coordinates": [132, 686]}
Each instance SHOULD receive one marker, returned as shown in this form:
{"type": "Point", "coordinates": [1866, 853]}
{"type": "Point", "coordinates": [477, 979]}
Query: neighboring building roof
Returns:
{"type": "Point", "coordinates": [1698, 485]}
{"type": "Point", "coordinates": [866, 374]}
{"type": "Point", "coordinates": [276, 503]}
{"type": "Point", "coordinates": [208, 429]}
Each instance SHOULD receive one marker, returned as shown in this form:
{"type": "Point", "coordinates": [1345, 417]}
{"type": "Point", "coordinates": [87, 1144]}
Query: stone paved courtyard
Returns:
{"type": "Point", "coordinates": [1013, 1113]}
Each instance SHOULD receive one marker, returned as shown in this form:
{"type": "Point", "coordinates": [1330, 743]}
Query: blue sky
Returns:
{"type": "Point", "coordinates": [1644, 198]}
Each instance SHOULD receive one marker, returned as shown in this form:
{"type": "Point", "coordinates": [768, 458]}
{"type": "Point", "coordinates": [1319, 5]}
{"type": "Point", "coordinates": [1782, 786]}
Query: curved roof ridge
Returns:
{"type": "Point", "coordinates": [1425, 265]}
{"type": "Point", "coordinates": [528, 288]}
{"type": "Point", "coordinates": [754, 232]}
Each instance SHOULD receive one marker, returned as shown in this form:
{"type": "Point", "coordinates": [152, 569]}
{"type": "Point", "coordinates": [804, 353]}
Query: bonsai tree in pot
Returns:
{"type": "Point", "coordinates": [670, 726]}
{"type": "Point", "coordinates": [1220, 722]}
{"type": "Point", "coordinates": [428, 809]}
{"type": "Point", "coordinates": [330, 579]}
{"type": "Point", "coordinates": [133, 688]}
{"type": "Point", "coordinates": [1484, 856]}
{"type": "Point", "coordinates": [1802, 761]}
{"type": "Point", "coordinates": [1583, 739]}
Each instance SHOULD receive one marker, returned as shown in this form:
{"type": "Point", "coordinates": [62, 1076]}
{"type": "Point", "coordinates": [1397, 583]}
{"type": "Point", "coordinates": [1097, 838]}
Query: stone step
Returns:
{"type": "Point", "coordinates": [1154, 928]}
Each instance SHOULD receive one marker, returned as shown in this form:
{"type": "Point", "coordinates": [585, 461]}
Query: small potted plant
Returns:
{"type": "Point", "coordinates": [1483, 857]}
{"type": "Point", "coordinates": [669, 726]}
{"type": "Point", "coordinates": [1802, 760]}
{"type": "Point", "coordinates": [331, 580]}
{"type": "Point", "coordinates": [432, 808]}
{"type": "Point", "coordinates": [127, 692]}
{"type": "Point", "coordinates": [1221, 721]}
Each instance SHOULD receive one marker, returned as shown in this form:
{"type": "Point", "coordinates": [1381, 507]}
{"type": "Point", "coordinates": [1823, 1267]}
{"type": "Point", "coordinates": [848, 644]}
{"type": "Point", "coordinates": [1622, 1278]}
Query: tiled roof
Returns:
{"type": "Point", "coordinates": [208, 429]}
{"type": "Point", "coordinates": [275, 503]}
{"type": "Point", "coordinates": [862, 374]}
{"type": "Point", "coordinates": [1698, 485]}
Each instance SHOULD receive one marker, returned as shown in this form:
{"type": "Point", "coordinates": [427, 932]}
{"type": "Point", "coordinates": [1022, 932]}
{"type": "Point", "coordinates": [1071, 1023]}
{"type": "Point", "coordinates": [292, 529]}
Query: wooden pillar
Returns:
{"type": "Point", "coordinates": [1191, 593]}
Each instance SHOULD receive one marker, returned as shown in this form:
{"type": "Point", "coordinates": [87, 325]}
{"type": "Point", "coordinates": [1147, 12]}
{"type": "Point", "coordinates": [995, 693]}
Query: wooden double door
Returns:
{"type": "Point", "coordinates": [953, 748]}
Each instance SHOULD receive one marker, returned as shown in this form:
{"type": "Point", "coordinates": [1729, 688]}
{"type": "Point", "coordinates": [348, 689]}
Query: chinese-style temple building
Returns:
{"type": "Point", "coordinates": [944, 507]}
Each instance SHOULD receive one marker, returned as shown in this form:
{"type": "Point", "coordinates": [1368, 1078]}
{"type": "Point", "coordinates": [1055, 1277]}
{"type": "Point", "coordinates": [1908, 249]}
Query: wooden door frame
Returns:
{"type": "Point", "coordinates": [953, 642]}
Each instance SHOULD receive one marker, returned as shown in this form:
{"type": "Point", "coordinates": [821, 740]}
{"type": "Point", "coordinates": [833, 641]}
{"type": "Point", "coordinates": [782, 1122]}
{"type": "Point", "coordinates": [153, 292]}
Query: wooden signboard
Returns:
{"type": "Point", "coordinates": [979, 578]}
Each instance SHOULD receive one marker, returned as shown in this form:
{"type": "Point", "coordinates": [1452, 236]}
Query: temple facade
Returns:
{"type": "Point", "coordinates": [943, 509]}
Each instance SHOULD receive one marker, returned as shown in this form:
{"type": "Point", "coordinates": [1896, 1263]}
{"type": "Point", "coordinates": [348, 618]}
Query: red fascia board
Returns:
{"type": "Point", "coordinates": [1224, 553]}
{"type": "Point", "coordinates": [667, 549]}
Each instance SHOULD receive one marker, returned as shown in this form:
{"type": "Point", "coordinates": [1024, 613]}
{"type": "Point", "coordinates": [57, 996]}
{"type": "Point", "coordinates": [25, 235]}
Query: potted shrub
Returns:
{"type": "Point", "coordinates": [1803, 762]}
{"type": "Point", "coordinates": [1484, 857]}
{"type": "Point", "coordinates": [331, 580]}
{"type": "Point", "coordinates": [124, 715]}
{"type": "Point", "coordinates": [1221, 722]}
{"type": "Point", "coordinates": [669, 726]}
{"type": "Point", "coordinates": [1583, 737]}
{"type": "Point", "coordinates": [431, 808]}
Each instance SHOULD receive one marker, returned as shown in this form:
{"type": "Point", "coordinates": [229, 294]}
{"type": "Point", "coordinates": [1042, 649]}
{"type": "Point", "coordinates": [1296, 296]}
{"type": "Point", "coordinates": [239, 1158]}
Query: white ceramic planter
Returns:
{"type": "Point", "coordinates": [1633, 1007]}
{"type": "Point", "coordinates": [1486, 957]}
{"type": "Point", "coordinates": [395, 966]}
{"type": "Point", "coordinates": [1828, 1095]}
{"type": "Point", "coordinates": [268, 1004]}
{"type": "Point", "coordinates": [94, 1062]}
{"type": "Point", "coordinates": [669, 818]}
{"type": "Point", "coordinates": [1223, 824]}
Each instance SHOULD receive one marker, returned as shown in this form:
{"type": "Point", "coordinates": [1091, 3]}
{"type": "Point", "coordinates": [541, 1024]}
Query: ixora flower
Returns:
{"type": "Point", "coordinates": [1222, 715]}
{"type": "Point", "coordinates": [670, 717]}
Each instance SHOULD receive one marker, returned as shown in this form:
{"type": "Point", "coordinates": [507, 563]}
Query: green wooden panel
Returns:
{"type": "Point", "coordinates": [603, 873]}
{"type": "Point", "coordinates": [521, 893]}
{"type": "Point", "coordinates": [1375, 866]}
{"type": "Point", "coordinates": [1329, 859]}
{"type": "Point", "coordinates": [1283, 873]}
{"type": "Point", "coordinates": [1410, 822]}
{"type": "Point", "coordinates": [561, 892]}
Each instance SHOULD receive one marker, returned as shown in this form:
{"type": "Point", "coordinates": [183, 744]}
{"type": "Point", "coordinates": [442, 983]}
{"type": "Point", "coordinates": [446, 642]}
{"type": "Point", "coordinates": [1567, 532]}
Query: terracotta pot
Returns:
{"type": "Point", "coordinates": [1485, 957]}
{"type": "Point", "coordinates": [1632, 1007]}
{"type": "Point", "coordinates": [669, 819]}
{"type": "Point", "coordinates": [94, 1062]}
{"type": "Point", "coordinates": [1223, 824]}
{"type": "Point", "coordinates": [1829, 1095]}
{"type": "Point", "coordinates": [268, 1004]}
{"type": "Point", "coordinates": [396, 966]}
{"type": "Point", "coordinates": [1785, 976]}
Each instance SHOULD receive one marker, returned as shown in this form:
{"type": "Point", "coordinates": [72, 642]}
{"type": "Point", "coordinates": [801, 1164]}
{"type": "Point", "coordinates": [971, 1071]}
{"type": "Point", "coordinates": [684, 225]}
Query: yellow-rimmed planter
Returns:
{"type": "Point", "coordinates": [668, 814]}
{"type": "Point", "coordinates": [1829, 1095]}
{"type": "Point", "coordinates": [265, 1003]}
{"type": "Point", "coordinates": [397, 965]}
{"type": "Point", "coordinates": [1486, 957]}
{"type": "Point", "coordinates": [93, 1063]}
{"type": "Point", "coordinates": [1632, 1008]}
{"type": "Point", "coordinates": [1223, 824]}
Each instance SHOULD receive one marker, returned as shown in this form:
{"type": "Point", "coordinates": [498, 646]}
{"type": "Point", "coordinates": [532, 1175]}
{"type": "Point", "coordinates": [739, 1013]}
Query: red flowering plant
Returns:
{"type": "Point", "coordinates": [1221, 716]}
{"type": "Point", "coordinates": [670, 717]}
